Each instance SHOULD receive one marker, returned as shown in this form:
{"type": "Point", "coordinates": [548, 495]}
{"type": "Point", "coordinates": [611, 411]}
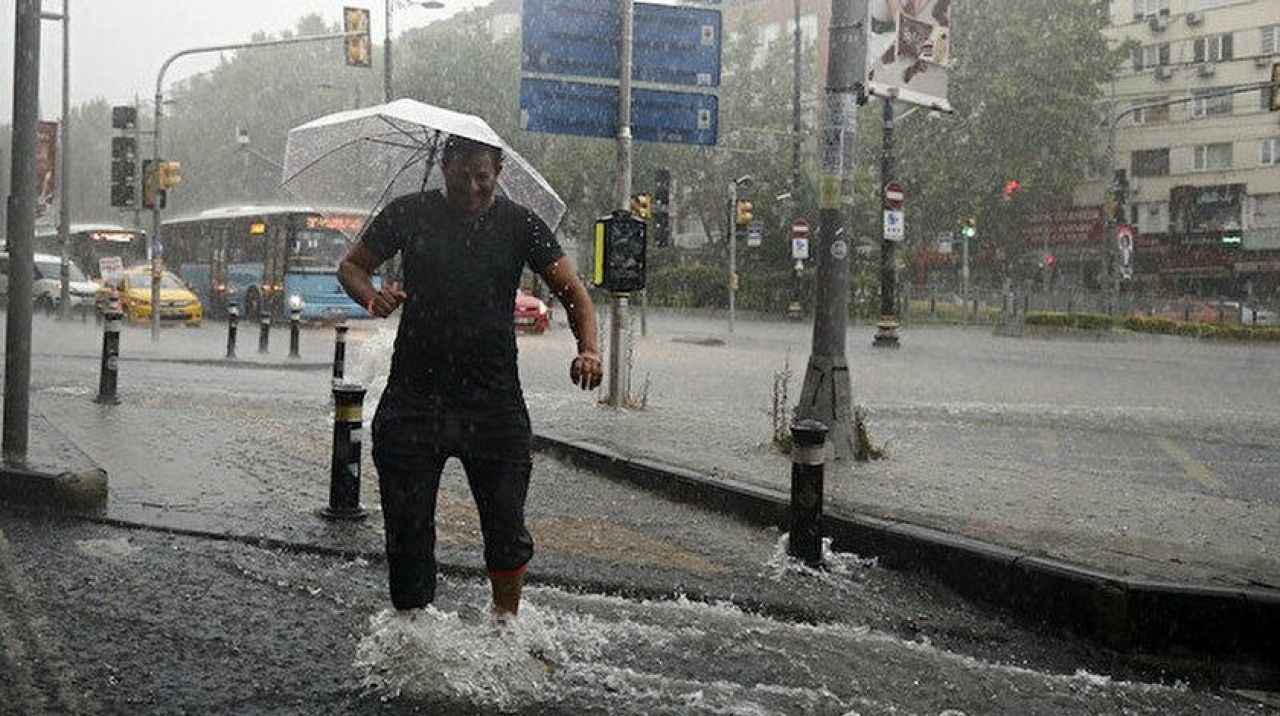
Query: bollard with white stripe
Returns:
{"type": "Point", "coordinates": [339, 353]}
{"type": "Point", "coordinates": [233, 317]}
{"type": "Point", "coordinates": [344, 467]}
{"type": "Point", "coordinates": [109, 370]}
{"type": "Point", "coordinates": [264, 331]}
{"type": "Point", "coordinates": [295, 322]}
{"type": "Point", "coordinates": [808, 457]}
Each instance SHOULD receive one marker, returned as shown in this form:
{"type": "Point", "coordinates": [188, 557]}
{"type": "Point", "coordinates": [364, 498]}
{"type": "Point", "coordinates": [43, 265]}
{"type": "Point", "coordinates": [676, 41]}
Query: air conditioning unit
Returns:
{"type": "Point", "coordinates": [1205, 69]}
{"type": "Point", "coordinates": [1194, 18]}
{"type": "Point", "coordinates": [1163, 72]}
{"type": "Point", "coordinates": [1158, 23]}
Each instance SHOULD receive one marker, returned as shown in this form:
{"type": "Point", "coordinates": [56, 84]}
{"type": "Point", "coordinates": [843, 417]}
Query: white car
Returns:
{"type": "Point", "coordinates": [47, 290]}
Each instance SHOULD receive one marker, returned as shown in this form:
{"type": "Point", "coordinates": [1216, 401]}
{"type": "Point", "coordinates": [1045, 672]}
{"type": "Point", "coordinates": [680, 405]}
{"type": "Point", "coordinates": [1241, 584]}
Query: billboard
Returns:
{"type": "Point", "coordinates": [909, 51]}
{"type": "Point", "coordinates": [46, 160]}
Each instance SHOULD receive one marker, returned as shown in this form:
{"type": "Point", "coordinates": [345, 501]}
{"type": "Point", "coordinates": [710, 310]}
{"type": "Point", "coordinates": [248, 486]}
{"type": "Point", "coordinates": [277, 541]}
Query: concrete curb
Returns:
{"type": "Point", "coordinates": [1223, 635]}
{"type": "Point", "coordinates": [293, 364]}
{"type": "Point", "coordinates": [56, 474]}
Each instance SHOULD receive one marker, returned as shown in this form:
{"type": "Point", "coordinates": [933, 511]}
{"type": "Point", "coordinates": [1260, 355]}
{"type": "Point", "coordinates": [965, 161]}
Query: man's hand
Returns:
{"type": "Point", "coordinates": [585, 371]}
{"type": "Point", "coordinates": [382, 303]}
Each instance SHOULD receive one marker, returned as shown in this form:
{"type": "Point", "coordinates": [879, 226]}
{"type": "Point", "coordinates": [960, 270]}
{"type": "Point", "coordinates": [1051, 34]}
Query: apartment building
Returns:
{"type": "Point", "coordinates": [1197, 144]}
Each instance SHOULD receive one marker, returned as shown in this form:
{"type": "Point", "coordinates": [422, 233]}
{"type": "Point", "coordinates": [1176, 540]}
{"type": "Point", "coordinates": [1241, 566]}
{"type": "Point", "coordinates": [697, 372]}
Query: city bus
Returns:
{"type": "Point", "coordinates": [87, 243]}
{"type": "Point", "coordinates": [264, 258]}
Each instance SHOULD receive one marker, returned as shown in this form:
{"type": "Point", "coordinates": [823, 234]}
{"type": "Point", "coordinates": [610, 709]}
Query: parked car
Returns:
{"type": "Point", "coordinates": [532, 315]}
{"type": "Point", "coordinates": [177, 302]}
{"type": "Point", "coordinates": [47, 290]}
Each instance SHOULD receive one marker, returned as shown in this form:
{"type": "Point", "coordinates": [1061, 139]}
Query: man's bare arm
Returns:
{"type": "Point", "coordinates": [586, 370]}
{"type": "Point", "coordinates": [355, 273]}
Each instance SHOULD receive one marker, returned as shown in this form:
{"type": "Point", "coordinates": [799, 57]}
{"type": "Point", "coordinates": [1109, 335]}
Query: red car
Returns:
{"type": "Point", "coordinates": [531, 314]}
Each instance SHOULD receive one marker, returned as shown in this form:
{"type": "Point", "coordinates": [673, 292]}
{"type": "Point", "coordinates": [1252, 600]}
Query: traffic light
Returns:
{"type": "Point", "coordinates": [359, 46]}
{"type": "Point", "coordinates": [641, 206]}
{"type": "Point", "coordinates": [168, 174]}
{"type": "Point", "coordinates": [969, 228]}
{"type": "Point", "coordinates": [619, 264]}
{"type": "Point", "coordinates": [124, 117]}
{"type": "Point", "coordinates": [153, 197]}
{"type": "Point", "coordinates": [124, 171]}
{"type": "Point", "coordinates": [1010, 188]}
{"type": "Point", "coordinates": [743, 215]}
{"type": "Point", "coordinates": [662, 208]}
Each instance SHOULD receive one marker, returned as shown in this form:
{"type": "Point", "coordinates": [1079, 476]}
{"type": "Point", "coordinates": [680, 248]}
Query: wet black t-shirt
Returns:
{"type": "Point", "coordinates": [456, 339]}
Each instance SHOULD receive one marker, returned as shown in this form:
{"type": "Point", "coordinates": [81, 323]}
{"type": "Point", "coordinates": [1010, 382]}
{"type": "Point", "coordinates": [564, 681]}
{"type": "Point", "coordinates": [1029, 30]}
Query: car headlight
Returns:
{"type": "Point", "coordinates": [295, 302]}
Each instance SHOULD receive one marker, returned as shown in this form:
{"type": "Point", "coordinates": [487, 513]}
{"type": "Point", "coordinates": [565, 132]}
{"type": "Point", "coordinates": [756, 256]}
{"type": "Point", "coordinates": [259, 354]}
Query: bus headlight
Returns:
{"type": "Point", "coordinates": [295, 302]}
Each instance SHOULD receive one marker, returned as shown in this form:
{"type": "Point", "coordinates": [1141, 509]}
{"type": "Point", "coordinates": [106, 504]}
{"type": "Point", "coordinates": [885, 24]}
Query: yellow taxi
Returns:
{"type": "Point", "coordinates": [178, 304]}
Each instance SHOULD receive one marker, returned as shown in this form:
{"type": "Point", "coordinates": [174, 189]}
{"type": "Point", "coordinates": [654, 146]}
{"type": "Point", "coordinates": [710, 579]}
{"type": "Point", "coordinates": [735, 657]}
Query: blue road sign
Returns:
{"type": "Point", "coordinates": [563, 107]}
{"type": "Point", "coordinates": [673, 45]}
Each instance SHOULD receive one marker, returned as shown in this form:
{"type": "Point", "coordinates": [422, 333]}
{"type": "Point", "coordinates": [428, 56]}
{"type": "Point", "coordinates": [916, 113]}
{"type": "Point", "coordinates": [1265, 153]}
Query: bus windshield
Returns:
{"type": "Point", "coordinates": [317, 249]}
{"type": "Point", "coordinates": [52, 269]}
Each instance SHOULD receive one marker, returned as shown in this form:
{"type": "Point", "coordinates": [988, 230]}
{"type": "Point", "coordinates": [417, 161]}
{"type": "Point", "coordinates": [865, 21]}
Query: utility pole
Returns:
{"type": "Point", "coordinates": [64, 172]}
{"type": "Point", "coordinates": [620, 322]}
{"type": "Point", "coordinates": [733, 243]}
{"type": "Point", "coordinates": [386, 52]}
{"type": "Point", "coordinates": [796, 74]}
{"type": "Point", "coordinates": [887, 326]}
{"type": "Point", "coordinates": [21, 228]}
{"type": "Point", "coordinates": [826, 393]}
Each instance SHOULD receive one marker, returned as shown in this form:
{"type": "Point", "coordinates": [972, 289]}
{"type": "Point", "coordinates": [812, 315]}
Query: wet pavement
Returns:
{"type": "Point", "coordinates": [252, 603]}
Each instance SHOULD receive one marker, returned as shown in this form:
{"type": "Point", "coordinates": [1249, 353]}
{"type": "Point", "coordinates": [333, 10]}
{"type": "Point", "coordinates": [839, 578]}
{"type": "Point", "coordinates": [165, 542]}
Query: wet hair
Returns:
{"type": "Point", "coordinates": [456, 147]}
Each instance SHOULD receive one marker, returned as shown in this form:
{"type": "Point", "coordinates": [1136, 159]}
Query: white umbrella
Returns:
{"type": "Point", "coordinates": [364, 158]}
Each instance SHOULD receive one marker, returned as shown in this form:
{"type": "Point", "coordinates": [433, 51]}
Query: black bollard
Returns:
{"type": "Point", "coordinates": [264, 331]}
{"type": "Point", "coordinates": [933, 304]}
{"type": "Point", "coordinates": [233, 317]}
{"type": "Point", "coordinates": [339, 353]}
{"type": "Point", "coordinates": [295, 321]}
{"type": "Point", "coordinates": [808, 454]}
{"type": "Point", "coordinates": [344, 468]}
{"type": "Point", "coordinates": [108, 371]}
{"type": "Point", "coordinates": [1026, 304]}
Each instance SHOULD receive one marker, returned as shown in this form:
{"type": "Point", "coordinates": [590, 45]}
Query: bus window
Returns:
{"type": "Point", "coordinates": [314, 248]}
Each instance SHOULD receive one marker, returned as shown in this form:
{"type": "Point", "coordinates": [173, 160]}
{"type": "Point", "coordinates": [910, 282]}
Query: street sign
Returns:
{"type": "Point", "coordinates": [944, 243]}
{"type": "Point", "coordinates": [590, 110]}
{"type": "Point", "coordinates": [894, 228]}
{"type": "Point", "coordinates": [799, 229]}
{"type": "Point", "coordinates": [755, 233]}
{"type": "Point", "coordinates": [111, 269]}
{"type": "Point", "coordinates": [893, 195]}
{"type": "Point", "coordinates": [672, 45]}
{"type": "Point", "coordinates": [799, 248]}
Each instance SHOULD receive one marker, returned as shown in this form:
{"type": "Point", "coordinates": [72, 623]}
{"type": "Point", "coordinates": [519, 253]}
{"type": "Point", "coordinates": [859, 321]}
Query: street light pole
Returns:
{"type": "Point", "coordinates": [795, 106]}
{"type": "Point", "coordinates": [64, 180]}
{"type": "Point", "coordinates": [386, 52]}
{"type": "Point", "coordinates": [887, 326]}
{"type": "Point", "coordinates": [620, 320]}
{"type": "Point", "coordinates": [826, 396]}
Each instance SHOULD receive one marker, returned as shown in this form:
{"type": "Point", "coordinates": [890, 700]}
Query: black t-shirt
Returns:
{"type": "Point", "coordinates": [456, 339]}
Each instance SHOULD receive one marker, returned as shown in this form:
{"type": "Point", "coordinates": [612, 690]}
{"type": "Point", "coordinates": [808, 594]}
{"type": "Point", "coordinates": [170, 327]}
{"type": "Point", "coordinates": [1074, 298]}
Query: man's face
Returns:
{"type": "Point", "coordinates": [470, 181]}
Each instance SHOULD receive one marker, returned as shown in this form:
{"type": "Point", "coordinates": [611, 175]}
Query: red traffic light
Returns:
{"type": "Point", "coordinates": [1050, 260]}
{"type": "Point", "coordinates": [1011, 186]}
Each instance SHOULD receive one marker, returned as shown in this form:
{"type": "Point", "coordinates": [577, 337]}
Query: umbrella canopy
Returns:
{"type": "Point", "coordinates": [367, 157]}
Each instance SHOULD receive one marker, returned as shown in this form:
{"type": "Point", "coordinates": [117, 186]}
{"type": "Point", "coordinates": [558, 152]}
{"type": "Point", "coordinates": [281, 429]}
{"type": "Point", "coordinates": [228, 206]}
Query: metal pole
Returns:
{"type": "Point", "coordinates": [887, 326]}
{"type": "Point", "coordinates": [619, 333]}
{"type": "Point", "coordinates": [808, 448]}
{"type": "Point", "coordinates": [964, 267]}
{"type": "Point", "coordinates": [733, 250]}
{"type": "Point", "coordinates": [386, 53]}
{"type": "Point", "coordinates": [20, 228]}
{"type": "Point", "coordinates": [344, 463]}
{"type": "Point", "coordinates": [826, 393]}
{"type": "Point", "coordinates": [339, 352]}
{"type": "Point", "coordinates": [795, 108]}
{"type": "Point", "coordinates": [233, 316]}
{"type": "Point", "coordinates": [64, 179]}
{"type": "Point", "coordinates": [108, 372]}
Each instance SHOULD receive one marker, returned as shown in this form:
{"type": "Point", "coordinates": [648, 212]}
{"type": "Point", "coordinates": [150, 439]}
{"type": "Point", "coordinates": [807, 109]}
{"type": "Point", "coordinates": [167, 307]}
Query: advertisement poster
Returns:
{"type": "Point", "coordinates": [909, 51]}
{"type": "Point", "coordinates": [46, 160]}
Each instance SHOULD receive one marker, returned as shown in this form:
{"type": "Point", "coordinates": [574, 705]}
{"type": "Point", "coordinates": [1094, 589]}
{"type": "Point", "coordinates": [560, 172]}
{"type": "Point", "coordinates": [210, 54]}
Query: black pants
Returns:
{"type": "Point", "coordinates": [413, 437]}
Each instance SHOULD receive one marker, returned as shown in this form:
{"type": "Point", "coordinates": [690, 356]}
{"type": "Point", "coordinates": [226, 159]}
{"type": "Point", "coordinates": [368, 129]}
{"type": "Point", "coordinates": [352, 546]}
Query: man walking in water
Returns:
{"type": "Point", "coordinates": [454, 388]}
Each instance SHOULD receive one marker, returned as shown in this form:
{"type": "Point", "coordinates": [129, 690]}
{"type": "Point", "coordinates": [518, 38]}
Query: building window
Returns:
{"type": "Point", "coordinates": [1150, 217]}
{"type": "Point", "coordinates": [809, 27]}
{"type": "Point", "coordinates": [1143, 9]}
{"type": "Point", "coordinates": [1211, 103]}
{"type": "Point", "coordinates": [1270, 153]}
{"type": "Point", "coordinates": [1212, 157]}
{"type": "Point", "coordinates": [1210, 4]}
{"type": "Point", "coordinates": [1149, 163]}
{"type": "Point", "coordinates": [1270, 39]}
{"type": "Point", "coordinates": [1149, 115]}
{"type": "Point", "coordinates": [1214, 48]}
{"type": "Point", "coordinates": [1150, 56]}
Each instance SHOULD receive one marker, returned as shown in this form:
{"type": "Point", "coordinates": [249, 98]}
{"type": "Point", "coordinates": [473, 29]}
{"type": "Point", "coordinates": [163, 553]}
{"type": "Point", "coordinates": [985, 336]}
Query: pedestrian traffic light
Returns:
{"type": "Point", "coordinates": [743, 215]}
{"type": "Point", "coordinates": [168, 174]}
{"type": "Point", "coordinates": [1232, 238]}
{"type": "Point", "coordinates": [124, 117]}
{"type": "Point", "coordinates": [619, 264]}
{"type": "Point", "coordinates": [662, 208]}
{"type": "Point", "coordinates": [124, 171]}
{"type": "Point", "coordinates": [969, 229]}
{"type": "Point", "coordinates": [355, 22]}
{"type": "Point", "coordinates": [641, 206]}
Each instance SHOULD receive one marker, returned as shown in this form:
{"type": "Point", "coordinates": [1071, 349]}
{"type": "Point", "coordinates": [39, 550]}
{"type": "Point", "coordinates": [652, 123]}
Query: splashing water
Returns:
{"type": "Point", "coordinates": [839, 567]}
{"type": "Point", "coordinates": [371, 362]}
